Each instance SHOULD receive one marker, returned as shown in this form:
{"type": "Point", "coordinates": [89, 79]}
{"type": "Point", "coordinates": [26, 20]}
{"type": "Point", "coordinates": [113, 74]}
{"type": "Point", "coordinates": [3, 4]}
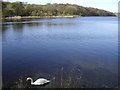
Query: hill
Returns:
{"type": "Point", "coordinates": [23, 9]}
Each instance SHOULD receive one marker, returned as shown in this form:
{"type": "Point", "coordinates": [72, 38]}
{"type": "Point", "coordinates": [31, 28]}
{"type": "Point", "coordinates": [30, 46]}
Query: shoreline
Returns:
{"type": "Point", "coordinates": [29, 17]}
{"type": "Point", "coordinates": [39, 17]}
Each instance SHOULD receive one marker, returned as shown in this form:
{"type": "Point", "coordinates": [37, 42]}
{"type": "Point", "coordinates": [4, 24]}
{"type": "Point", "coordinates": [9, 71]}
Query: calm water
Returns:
{"type": "Point", "coordinates": [75, 51]}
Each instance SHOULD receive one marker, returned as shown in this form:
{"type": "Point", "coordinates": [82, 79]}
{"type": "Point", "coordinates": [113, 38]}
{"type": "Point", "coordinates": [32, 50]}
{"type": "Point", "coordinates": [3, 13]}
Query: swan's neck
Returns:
{"type": "Point", "coordinates": [31, 80]}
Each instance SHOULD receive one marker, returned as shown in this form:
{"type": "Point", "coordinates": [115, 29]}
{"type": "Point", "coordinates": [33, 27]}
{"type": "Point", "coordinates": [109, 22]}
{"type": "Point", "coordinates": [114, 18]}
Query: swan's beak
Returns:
{"type": "Point", "coordinates": [27, 79]}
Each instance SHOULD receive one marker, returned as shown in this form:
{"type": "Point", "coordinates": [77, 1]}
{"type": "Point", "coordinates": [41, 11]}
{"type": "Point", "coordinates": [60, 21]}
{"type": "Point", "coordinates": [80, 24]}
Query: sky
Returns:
{"type": "Point", "coordinates": [109, 5]}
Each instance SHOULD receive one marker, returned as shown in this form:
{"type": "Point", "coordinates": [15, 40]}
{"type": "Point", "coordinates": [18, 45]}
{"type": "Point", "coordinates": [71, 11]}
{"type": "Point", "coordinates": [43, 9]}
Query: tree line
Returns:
{"type": "Point", "coordinates": [23, 9]}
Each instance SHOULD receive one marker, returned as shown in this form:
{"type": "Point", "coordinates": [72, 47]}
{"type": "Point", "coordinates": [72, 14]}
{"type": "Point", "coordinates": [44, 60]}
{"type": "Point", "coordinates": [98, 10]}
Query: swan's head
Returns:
{"type": "Point", "coordinates": [29, 81]}
{"type": "Point", "coordinates": [29, 78]}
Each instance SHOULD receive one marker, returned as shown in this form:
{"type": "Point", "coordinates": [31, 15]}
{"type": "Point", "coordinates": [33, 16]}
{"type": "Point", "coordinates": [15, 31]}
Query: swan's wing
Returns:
{"type": "Point", "coordinates": [41, 81]}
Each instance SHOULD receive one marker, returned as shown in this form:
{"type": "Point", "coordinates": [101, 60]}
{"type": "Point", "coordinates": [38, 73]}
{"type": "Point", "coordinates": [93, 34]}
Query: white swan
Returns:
{"type": "Point", "coordinates": [40, 81]}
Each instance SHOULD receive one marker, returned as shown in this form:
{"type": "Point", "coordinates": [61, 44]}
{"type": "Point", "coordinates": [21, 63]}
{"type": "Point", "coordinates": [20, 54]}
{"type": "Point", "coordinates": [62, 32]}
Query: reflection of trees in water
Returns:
{"type": "Point", "coordinates": [33, 24]}
{"type": "Point", "coordinates": [18, 30]}
{"type": "Point", "coordinates": [4, 32]}
{"type": "Point", "coordinates": [4, 28]}
{"type": "Point", "coordinates": [59, 24]}
{"type": "Point", "coordinates": [18, 27]}
{"type": "Point", "coordinates": [15, 20]}
{"type": "Point", "coordinates": [20, 23]}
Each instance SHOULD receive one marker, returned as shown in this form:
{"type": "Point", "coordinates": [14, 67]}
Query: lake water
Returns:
{"type": "Point", "coordinates": [70, 52]}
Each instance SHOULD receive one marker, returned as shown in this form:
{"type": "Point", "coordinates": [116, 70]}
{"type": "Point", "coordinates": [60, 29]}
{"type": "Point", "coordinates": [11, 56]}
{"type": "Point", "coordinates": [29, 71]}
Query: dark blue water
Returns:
{"type": "Point", "coordinates": [84, 49]}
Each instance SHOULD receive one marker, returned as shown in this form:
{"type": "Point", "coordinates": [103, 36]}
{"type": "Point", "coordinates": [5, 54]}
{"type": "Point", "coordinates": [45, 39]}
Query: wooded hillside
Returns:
{"type": "Point", "coordinates": [24, 9]}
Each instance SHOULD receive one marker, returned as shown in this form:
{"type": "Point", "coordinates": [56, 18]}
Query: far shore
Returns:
{"type": "Point", "coordinates": [25, 17]}
{"type": "Point", "coordinates": [28, 17]}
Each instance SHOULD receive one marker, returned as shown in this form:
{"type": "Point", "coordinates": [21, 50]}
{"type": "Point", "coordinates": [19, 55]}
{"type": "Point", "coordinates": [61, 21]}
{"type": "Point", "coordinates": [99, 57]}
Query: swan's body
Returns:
{"type": "Point", "coordinates": [40, 81]}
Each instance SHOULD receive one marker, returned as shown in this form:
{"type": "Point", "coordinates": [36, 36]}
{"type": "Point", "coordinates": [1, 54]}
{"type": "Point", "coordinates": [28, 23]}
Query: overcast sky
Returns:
{"type": "Point", "coordinates": [110, 5]}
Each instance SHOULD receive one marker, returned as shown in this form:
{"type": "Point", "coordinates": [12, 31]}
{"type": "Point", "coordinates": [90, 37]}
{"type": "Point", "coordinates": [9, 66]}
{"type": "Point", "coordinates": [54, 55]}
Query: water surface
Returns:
{"type": "Point", "coordinates": [82, 51]}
